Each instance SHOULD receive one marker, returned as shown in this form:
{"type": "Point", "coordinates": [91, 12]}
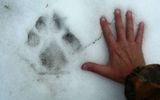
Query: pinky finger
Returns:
{"type": "Point", "coordinates": [139, 36]}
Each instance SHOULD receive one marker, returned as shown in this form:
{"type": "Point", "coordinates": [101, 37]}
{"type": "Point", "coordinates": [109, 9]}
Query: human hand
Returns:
{"type": "Point", "coordinates": [125, 52]}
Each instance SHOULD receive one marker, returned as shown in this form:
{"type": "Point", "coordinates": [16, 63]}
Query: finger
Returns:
{"type": "Point", "coordinates": [139, 36]}
{"type": "Point", "coordinates": [106, 31]}
{"type": "Point", "coordinates": [129, 26]}
{"type": "Point", "coordinates": [99, 69]}
{"type": "Point", "coordinates": [119, 25]}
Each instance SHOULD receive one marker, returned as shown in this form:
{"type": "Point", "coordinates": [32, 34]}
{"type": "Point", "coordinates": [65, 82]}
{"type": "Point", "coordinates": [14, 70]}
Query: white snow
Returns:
{"type": "Point", "coordinates": [21, 72]}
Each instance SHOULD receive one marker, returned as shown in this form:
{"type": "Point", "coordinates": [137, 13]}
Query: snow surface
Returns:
{"type": "Point", "coordinates": [26, 61]}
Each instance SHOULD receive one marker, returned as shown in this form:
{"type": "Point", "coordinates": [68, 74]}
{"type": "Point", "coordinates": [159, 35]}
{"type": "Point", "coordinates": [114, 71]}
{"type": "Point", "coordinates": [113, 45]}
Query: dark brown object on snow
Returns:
{"type": "Point", "coordinates": [143, 83]}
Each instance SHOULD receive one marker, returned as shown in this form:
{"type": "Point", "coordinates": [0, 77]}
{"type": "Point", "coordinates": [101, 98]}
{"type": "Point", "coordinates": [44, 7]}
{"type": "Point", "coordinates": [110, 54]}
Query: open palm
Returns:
{"type": "Point", "coordinates": [125, 52]}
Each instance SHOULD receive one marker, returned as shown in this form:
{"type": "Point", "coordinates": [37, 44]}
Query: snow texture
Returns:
{"type": "Point", "coordinates": [44, 42]}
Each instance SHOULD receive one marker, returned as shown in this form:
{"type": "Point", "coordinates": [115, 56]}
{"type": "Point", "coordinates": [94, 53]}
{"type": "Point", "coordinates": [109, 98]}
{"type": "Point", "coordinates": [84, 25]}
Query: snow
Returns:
{"type": "Point", "coordinates": [22, 74]}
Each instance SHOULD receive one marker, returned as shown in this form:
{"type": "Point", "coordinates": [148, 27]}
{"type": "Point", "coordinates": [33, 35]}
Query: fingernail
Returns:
{"type": "Point", "coordinates": [129, 13]}
{"type": "Point", "coordinates": [117, 11]}
{"type": "Point", "coordinates": [84, 67]}
{"type": "Point", "coordinates": [142, 24]}
{"type": "Point", "coordinates": [103, 18]}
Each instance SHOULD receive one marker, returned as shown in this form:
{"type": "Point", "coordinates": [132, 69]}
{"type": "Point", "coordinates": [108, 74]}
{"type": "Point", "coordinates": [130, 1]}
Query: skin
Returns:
{"type": "Point", "coordinates": [125, 51]}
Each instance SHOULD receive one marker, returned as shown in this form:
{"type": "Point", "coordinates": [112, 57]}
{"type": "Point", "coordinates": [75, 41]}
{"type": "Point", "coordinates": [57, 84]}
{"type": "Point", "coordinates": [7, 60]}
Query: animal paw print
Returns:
{"type": "Point", "coordinates": [51, 58]}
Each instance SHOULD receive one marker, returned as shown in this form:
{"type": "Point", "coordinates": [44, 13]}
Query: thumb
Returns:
{"type": "Point", "coordinates": [99, 69]}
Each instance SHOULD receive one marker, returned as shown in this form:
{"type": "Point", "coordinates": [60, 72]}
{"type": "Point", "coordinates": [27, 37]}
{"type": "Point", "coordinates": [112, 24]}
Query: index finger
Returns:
{"type": "Point", "coordinates": [106, 31]}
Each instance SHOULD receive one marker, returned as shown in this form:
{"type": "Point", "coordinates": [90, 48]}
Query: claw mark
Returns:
{"type": "Point", "coordinates": [7, 7]}
{"type": "Point", "coordinates": [72, 40]}
{"type": "Point", "coordinates": [40, 23]}
{"type": "Point", "coordinates": [33, 39]}
{"type": "Point", "coordinates": [46, 5]}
